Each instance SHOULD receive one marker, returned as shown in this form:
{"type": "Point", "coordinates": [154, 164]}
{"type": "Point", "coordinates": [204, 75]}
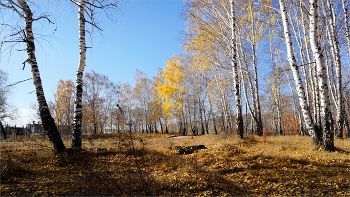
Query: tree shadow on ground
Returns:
{"type": "Point", "coordinates": [138, 172]}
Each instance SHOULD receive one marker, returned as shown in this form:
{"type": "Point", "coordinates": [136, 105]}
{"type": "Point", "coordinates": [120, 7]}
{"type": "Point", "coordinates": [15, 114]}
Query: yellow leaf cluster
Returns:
{"type": "Point", "coordinates": [64, 99]}
{"type": "Point", "coordinates": [171, 88]}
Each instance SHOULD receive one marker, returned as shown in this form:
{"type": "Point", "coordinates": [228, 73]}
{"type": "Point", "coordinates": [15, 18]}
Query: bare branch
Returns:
{"type": "Point", "coordinates": [12, 7]}
{"type": "Point", "coordinates": [45, 17]}
{"type": "Point", "coordinates": [15, 83]}
{"type": "Point", "coordinates": [15, 41]}
{"type": "Point", "coordinates": [76, 3]}
{"type": "Point", "coordinates": [19, 32]}
{"type": "Point", "coordinates": [102, 6]}
{"type": "Point", "coordinates": [93, 25]}
{"type": "Point", "coordinates": [24, 64]}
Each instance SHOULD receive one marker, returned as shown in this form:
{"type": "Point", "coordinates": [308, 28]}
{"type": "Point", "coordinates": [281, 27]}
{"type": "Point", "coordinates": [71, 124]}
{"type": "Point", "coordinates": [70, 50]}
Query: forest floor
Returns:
{"type": "Point", "coordinates": [143, 164]}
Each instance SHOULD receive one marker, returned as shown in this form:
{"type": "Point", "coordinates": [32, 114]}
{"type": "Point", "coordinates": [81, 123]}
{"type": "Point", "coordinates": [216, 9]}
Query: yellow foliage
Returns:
{"type": "Point", "coordinates": [64, 98]}
{"type": "Point", "coordinates": [171, 89]}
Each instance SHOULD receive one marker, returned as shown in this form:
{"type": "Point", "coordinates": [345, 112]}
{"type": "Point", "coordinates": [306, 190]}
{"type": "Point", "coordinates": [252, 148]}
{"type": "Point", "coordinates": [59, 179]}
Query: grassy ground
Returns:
{"type": "Point", "coordinates": [125, 165]}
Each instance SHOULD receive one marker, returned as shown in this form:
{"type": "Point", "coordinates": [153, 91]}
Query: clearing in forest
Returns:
{"type": "Point", "coordinates": [147, 164]}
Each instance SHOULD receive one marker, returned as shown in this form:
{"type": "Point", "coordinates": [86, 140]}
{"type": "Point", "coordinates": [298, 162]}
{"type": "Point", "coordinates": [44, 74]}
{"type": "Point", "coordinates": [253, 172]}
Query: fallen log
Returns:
{"type": "Point", "coordinates": [188, 149]}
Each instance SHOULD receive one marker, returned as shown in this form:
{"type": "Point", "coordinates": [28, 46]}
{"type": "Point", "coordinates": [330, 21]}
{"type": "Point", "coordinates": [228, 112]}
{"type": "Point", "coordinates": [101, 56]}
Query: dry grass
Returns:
{"type": "Point", "coordinates": [143, 164]}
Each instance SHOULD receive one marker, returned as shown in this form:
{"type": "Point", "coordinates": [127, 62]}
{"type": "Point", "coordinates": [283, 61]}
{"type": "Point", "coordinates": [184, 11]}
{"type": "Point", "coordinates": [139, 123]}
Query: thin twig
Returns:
{"type": "Point", "coordinates": [3, 169]}
{"type": "Point", "coordinates": [15, 83]}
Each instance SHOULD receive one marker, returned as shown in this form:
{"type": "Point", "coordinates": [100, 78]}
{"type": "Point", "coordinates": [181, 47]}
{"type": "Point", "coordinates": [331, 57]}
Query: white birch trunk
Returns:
{"type": "Point", "coordinates": [326, 115]}
{"type": "Point", "coordinates": [336, 55]}
{"type": "Point", "coordinates": [313, 77]}
{"type": "Point", "coordinates": [256, 82]}
{"type": "Point", "coordinates": [347, 29]}
{"type": "Point", "coordinates": [297, 116]}
{"type": "Point", "coordinates": [245, 93]}
{"type": "Point", "coordinates": [313, 130]}
{"type": "Point", "coordinates": [212, 112]}
{"type": "Point", "coordinates": [277, 97]}
{"type": "Point", "coordinates": [303, 70]}
{"type": "Point", "coordinates": [239, 117]}
{"type": "Point", "coordinates": [46, 118]}
{"type": "Point", "coordinates": [77, 121]}
{"type": "Point", "coordinates": [256, 94]}
{"type": "Point", "coordinates": [253, 112]}
{"type": "Point", "coordinates": [222, 99]}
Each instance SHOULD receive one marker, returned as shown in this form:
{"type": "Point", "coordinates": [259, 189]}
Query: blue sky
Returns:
{"type": "Point", "coordinates": [144, 36]}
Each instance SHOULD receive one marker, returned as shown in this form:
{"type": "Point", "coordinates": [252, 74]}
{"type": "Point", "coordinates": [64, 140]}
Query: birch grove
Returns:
{"type": "Point", "coordinates": [247, 67]}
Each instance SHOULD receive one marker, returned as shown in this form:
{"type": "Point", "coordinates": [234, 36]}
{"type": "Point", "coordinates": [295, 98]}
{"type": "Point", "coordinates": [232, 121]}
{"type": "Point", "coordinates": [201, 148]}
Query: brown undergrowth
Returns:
{"type": "Point", "coordinates": [134, 165]}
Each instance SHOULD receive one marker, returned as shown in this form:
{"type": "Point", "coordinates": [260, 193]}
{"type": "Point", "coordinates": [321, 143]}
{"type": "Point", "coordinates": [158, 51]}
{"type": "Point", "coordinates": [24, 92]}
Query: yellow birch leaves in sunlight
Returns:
{"type": "Point", "coordinates": [173, 90]}
{"type": "Point", "coordinates": [64, 101]}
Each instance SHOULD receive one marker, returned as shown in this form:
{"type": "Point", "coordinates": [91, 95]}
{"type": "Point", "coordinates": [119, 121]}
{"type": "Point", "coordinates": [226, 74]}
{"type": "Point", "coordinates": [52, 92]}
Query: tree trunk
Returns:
{"type": "Point", "coordinates": [336, 55]}
{"type": "Point", "coordinates": [253, 112]}
{"type": "Point", "coordinates": [314, 86]}
{"type": "Point", "coordinates": [213, 115]}
{"type": "Point", "coordinates": [46, 118]}
{"type": "Point", "coordinates": [256, 95]}
{"type": "Point", "coordinates": [239, 117]}
{"type": "Point", "coordinates": [77, 121]}
{"type": "Point", "coordinates": [256, 82]}
{"type": "Point", "coordinates": [347, 29]}
{"type": "Point", "coordinates": [326, 115]}
{"type": "Point", "coordinates": [3, 130]}
{"type": "Point", "coordinates": [161, 125]}
{"type": "Point", "coordinates": [312, 72]}
{"type": "Point", "coordinates": [346, 115]}
{"type": "Point", "coordinates": [201, 116]}
{"type": "Point", "coordinates": [314, 131]}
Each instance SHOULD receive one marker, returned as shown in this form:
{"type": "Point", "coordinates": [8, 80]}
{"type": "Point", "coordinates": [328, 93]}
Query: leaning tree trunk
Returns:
{"type": "Point", "coordinates": [239, 116]}
{"type": "Point", "coordinates": [255, 112]}
{"type": "Point", "coordinates": [46, 118]}
{"type": "Point", "coordinates": [314, 131]}
{"type": "Point", "coordinates": [78, 102]}
{"type": "Point", "coordinates": [326, 114]}
{"type": "Point", "coordinates": [256, 82]}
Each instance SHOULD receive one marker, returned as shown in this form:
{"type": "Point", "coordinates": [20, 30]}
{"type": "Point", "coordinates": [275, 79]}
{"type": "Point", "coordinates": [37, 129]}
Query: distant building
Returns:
{"type": "Point", "coordinates": [35, 128]}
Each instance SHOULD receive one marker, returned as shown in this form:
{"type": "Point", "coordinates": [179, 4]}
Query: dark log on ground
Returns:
{"type": "Point", "coordinates": [188, 149]}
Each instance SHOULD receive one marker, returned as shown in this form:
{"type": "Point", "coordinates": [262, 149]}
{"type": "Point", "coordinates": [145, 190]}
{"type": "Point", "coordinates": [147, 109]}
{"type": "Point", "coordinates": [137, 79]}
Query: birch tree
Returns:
{"type": "Point", "coordinates": [237, 89]}
{"type": "Point", "coordinates": [326, 114]}
{"type": "Point", "coordinates": [77, 118]}
{"type": "Point", "coordinates": [64, 98]}
{"type": "Point", "coordinates": [142, 97]}
{"type": "Point", "coordinates": [254, 23]}
{"type": "Point", "coordinates": [173, 91]}
{"type": "Point", "coordinates": [314, 131]}
{"type": "Point", "coordinates": [219, 17]}
{"type": "Point", "coordinates": [347, 28]}
{"type": "Point", "coordinates": [88, 7]}
{"type": "Point", "coordinates": [3, 101]}
{"type": "Point", "coordinates": [334, 43]}
{"type": "Point", "coordinates": [23, 10]}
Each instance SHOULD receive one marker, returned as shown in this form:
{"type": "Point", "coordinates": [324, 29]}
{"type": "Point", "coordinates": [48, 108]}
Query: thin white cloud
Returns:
{"type": "Point", "coordinates": [21, 118]}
